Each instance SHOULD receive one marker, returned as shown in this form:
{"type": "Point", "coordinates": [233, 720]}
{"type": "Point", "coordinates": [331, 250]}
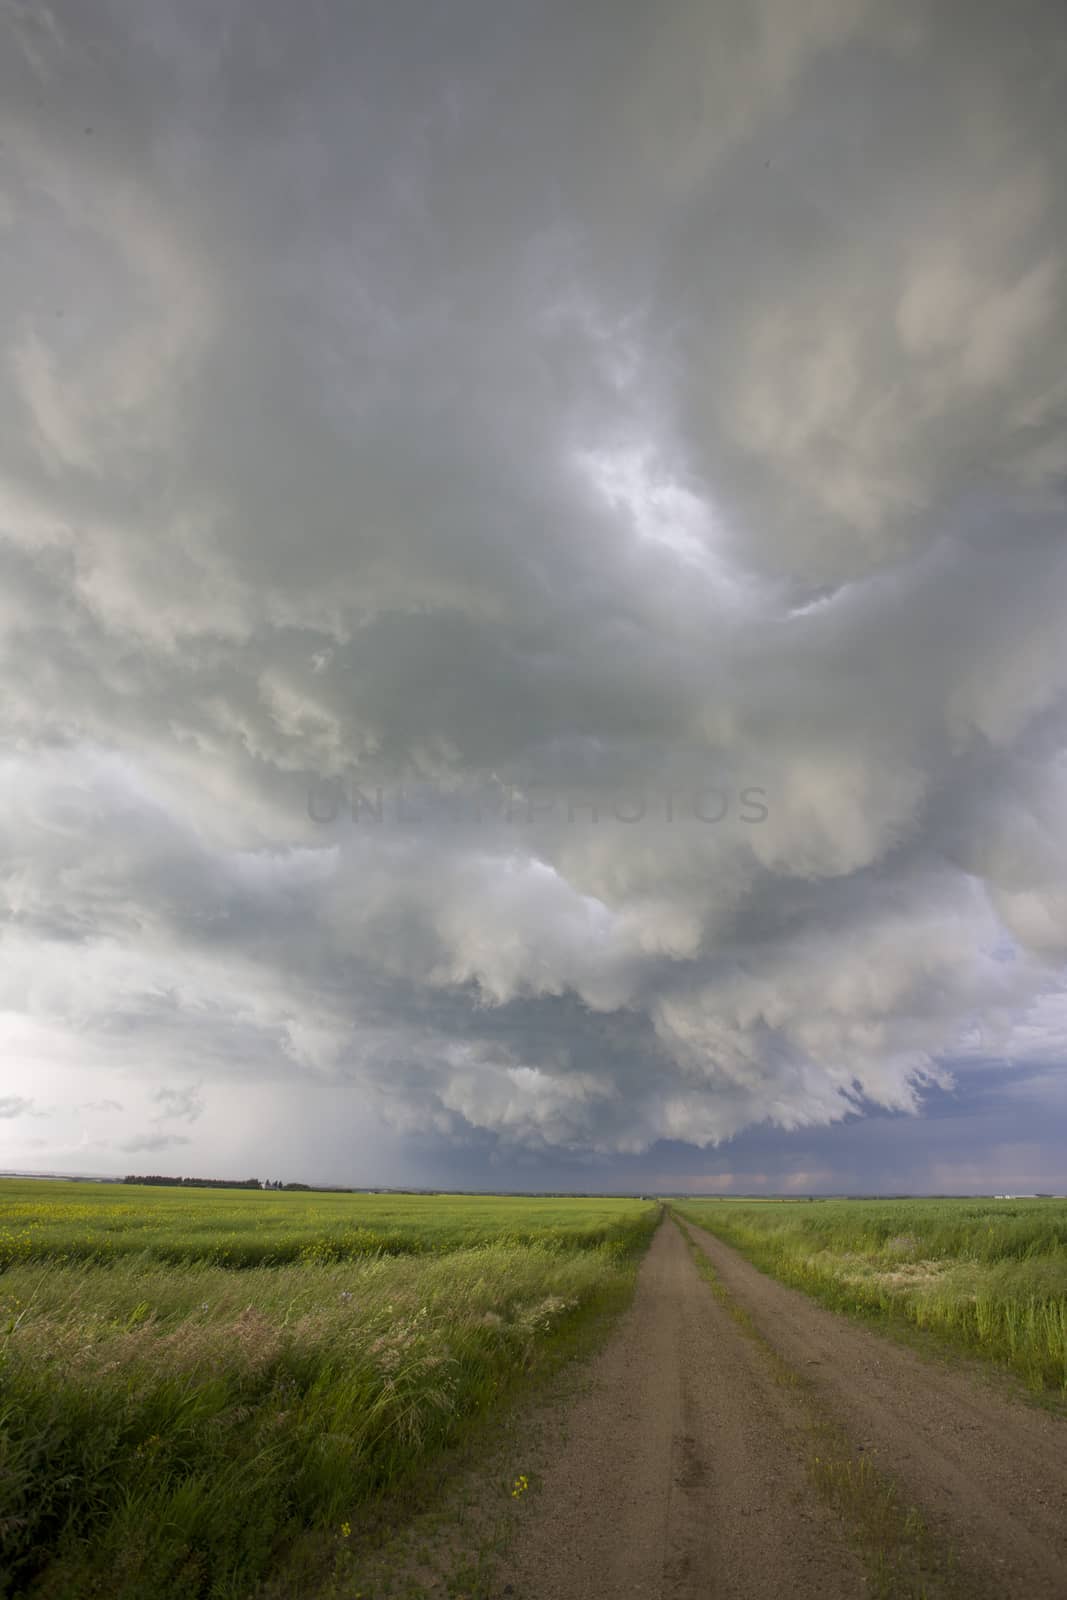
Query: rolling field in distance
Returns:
{"type": "Point", "coordinates": [985, 1276]}
{"type": "Point", "coordinates": [251, 1227]}
{"type": "Point", "coordinates": [192, 1379]}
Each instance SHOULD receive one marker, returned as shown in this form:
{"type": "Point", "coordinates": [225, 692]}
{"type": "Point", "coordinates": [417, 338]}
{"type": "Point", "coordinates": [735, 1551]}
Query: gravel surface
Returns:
{"type": "Point", "coordinates": [988, 1473]}
{"type": "Point", "coordinates": [683, 1470]}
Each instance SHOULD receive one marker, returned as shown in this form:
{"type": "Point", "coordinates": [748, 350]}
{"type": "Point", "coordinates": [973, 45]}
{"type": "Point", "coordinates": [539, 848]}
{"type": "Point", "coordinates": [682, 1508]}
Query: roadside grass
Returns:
{"type": "Point", "coordinates": [988, 1278]}
{"type": "Point", "coordinates": [903, 1559]}
{"type": "Point", "coordinates": [447, 1530]}
{"type": "Point", "coordinates": [181, 1430]}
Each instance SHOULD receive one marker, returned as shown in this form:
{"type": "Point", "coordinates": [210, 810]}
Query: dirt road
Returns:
{"type": "Point", "coordinates": [988, 1473]}
{"type": "Point", "coordinates": [686, 1465]}
{"type": "Point", "coordinates": [683, 1473]}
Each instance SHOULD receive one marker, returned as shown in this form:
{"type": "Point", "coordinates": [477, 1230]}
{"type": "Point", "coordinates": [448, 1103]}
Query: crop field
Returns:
{"type": "Point", "coordinates": [191, 1379]}
{"type": "Point", "coordinates": [248, 1228]}
{"type": "Point", "coordinates": [985, 1276]}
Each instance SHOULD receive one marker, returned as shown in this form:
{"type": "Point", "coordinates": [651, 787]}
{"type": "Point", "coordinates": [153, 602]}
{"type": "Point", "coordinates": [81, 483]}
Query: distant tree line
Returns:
{"type": "Point", "coordinates": [196, 1183]}
{"type": "Point", "coordinates": [333, 1188]}
{"type": "Point", "coordinates": [219, 1183]}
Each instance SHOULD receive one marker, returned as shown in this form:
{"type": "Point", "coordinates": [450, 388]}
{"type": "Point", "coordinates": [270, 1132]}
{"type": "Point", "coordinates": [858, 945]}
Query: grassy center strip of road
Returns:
{"type": "Point", "coordinates": [902, 1558]}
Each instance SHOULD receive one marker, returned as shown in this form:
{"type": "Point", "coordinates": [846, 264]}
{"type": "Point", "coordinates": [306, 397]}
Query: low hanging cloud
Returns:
{"type": "Point", "coordinates": [152, 1142]}
{"type": "Point", "coordinates": [14, 1105]}
{"type": "Point", "coordinates": [185, 1105]}
{"type": "Point", "coordinates": [623, 459]}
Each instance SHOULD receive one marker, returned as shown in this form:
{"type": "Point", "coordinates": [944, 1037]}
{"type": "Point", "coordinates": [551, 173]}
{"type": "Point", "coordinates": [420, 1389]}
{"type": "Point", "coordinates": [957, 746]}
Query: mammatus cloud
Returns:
{"type": "Point", "coordinates": [586, 422]}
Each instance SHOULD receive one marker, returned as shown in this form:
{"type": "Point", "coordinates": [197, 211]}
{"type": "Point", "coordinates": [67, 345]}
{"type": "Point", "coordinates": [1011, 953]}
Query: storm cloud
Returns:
{"type": "Point", "coordinates": [532, 574]}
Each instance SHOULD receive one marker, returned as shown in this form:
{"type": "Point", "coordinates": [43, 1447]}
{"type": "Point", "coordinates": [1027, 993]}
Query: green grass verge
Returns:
{"type": "Point", "coordinates": [169, 1431]}
{"type": "Point", "coordinates": [447, 1529]}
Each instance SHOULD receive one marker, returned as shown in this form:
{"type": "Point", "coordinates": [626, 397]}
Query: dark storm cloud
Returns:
{"type": "Point", "coordinates": [575, 404]}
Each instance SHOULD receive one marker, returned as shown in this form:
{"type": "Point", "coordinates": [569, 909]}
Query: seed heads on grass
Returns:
{"type": "Point", "coordinates": [254, 1402]}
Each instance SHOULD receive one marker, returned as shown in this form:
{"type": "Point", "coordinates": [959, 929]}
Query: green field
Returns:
{"type": "Point", "coordinates": [250, 1228]}
{"type": "Point", "coordinates": [191, 1380]}
{"type": "Point", "coordinates": [985, 1276]}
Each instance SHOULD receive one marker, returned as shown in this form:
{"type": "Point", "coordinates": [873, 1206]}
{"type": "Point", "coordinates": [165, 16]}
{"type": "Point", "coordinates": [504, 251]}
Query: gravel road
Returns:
{"type": "Point", "coordinates": [989, 1473]}
{"type": "Point", "coordinates": [683, 1469]}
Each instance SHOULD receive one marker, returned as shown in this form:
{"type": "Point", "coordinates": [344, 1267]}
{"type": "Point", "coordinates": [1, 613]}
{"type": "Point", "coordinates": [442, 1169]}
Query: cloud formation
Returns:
{"type": "Point", "coordinates": [600, 410]}
{"type": "Point", "coordinates": [154, 1142]}
{"type": "Point", "coordinates": [14, 1105]}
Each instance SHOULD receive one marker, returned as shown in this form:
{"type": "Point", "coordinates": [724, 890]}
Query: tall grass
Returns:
{"type": "Point", "coordinates": [986, 1276]}
{"type": "Point", "coordinates": [170, 1430]}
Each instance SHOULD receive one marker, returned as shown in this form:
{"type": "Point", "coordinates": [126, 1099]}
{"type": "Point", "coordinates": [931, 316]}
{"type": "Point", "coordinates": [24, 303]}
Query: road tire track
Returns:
{"type": "Point", "coordinates": [684, 1470]}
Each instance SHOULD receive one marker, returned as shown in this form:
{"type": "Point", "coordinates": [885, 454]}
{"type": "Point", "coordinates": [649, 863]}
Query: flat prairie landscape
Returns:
{"type": "Point", "coordinates": [219, 1392]}
{"type": "Point", "coordinates": [90, 1222]}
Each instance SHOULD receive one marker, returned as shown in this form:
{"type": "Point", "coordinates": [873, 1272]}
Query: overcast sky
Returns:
{"type": "Point", "coordinates": [533, 584]}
